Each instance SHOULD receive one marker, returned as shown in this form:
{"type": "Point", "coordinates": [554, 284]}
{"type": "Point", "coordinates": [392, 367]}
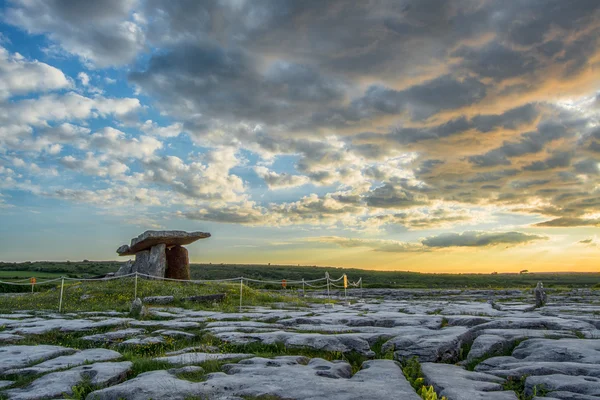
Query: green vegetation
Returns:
{"type": "Point", "coordinates": [412, 371]}
{"type": "Point", "coordinates": [118, 294]}
{"type": "Point", "coordinates": [399, 279]}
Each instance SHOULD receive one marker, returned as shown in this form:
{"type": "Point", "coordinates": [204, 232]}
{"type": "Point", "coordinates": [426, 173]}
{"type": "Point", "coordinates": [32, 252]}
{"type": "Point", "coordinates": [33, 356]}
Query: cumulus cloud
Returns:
{"type": "Point", "coordinates": [100, 32]}
{"type": "Point", "coordinates": [280, 181]}
{"type": "Point", "coordinates": [19, 76]}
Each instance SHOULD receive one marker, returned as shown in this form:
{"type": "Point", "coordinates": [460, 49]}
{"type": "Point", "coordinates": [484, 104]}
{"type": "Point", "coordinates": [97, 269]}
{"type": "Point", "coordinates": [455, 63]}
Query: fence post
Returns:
{"type": "Point", "coordinates": [361, 289]}
{"type": "Point", "coordinates": [303, 292]}
{"type": "Point", "coordinates": [327, 278]}
{"type": "Point", "coordinates": [62, 286]}
{"type": "Point", "coordinates": [345, 287]}
{"type": "Point", "coordinates": [241, 290]}
{"type": "Point", "coordinates": [135, 287]}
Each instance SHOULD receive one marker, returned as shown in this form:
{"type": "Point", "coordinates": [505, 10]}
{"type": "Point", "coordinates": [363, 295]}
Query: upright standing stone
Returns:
{"type": "Point", "coordinates": [178, 263]}
{"type": "Point", "coordinates": [540, 295]}
{"type": "Point", "coordinates": [142, 262]}
{"type": "Point", "coordinates": [158, 260]}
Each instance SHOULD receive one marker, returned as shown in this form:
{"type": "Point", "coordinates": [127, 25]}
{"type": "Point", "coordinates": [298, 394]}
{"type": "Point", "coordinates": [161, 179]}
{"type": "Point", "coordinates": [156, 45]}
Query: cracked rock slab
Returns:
{"type": "Point", "coordinates": [58, 384]}
{"type": "Point", "coordinates": [573, 385]}
{"type": "Point", "coordinates": [113, 336]}
{"type": "Point", "coordinates": [73, 360]}
{"type": "Point", "coordinates": [12, 357]}
{"type": "Point", "coordinates": [457, 383]}
{"type": "Point", "coordinates": [285, 377]}
{"type": "Point", "coordinates": [197, 358]}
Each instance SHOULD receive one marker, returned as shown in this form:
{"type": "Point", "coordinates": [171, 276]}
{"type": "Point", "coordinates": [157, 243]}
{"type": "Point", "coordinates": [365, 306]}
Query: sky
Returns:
{"type": "Point", "coordinates": [421, 135]}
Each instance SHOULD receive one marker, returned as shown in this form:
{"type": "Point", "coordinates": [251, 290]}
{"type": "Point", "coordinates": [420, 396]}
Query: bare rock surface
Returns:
{"type": "Point", "coordinates": [72, 360]}
{"type": "Point", "coordinates": [113, 336]}
{"type": "Point", "coordinates": [196, 358]}
{"type": "Point", "coordinates": [569, 386]}
{"type": "Point", "coordinates": [12, 357]}
{"type": "Point", "coordinates": [59, 384]}
{"type": "Point", "coordinates": [456, 383]}
{"type": "Point", "coordinates": [284, 377]}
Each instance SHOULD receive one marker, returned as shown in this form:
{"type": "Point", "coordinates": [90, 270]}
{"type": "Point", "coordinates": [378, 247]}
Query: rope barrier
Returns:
{"type": "Point", "coordinates": [328, 282]}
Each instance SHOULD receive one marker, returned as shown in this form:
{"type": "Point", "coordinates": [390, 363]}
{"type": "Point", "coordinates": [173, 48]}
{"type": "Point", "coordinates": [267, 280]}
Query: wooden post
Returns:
{"type": "Point", "coordinates": [241, 290]}
{"type": "Point", "coordinates": [135, 287]}
{"type": "Point", "coordinates": [62, 286]}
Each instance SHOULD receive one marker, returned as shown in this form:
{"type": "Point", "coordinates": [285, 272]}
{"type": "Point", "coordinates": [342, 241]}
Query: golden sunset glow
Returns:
{"type": "Point", "coordinates": [430, 136]}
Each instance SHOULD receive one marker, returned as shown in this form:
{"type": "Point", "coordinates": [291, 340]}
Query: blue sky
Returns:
{"type": "Point", "coordinates": [412, 135]}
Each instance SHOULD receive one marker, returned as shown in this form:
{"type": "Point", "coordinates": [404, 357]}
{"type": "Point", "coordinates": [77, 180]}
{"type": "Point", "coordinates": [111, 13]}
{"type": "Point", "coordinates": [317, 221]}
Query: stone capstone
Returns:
{"type": "Point", "coordinates": [178, 263]}
{"type": "Point", "coordinates": [151, 238]}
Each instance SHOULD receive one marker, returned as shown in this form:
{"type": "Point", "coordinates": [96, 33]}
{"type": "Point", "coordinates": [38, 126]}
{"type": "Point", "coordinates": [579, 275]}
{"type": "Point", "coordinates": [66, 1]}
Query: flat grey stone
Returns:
{"type": "Point", "coordinates": [10, 337]}
{"type": "Point", "coordinates": [456, 383]}
{"type": "Point", "coordinates": [487, 346]}
{"type": "Point", "coordinates": [167, 324]}
{"type": "Point", "coordinates": [151, 238]}
{"type": "Point", "coordinates": [582, 385]}
{"type": "Point", "coordinates": [38, 326]}
{"type": "Point", "coordinates": [142, 341]}
{"type": "Point", "coordinates": [285, 377]}
{"type": "Point", "coordinates": [4, 384]}
{"type": "Point", "coordinates": [427, 345]}
{"type": "Point", "coordinates": [520, 368]}
{"type": "Point", "coordinates": [343, 343]}
{"type": "Point", "coordinates": [12, 357]}
{"type": "Point", "coordinates": [197, 358]}
{"type": "Point", "coordinates": [113, 336]}
{"type": "Point", "coordinates": [576, 350]}
{"type": "Point", "coordinates": [73, 360]}
{"type": "Point", "coordinates": [173, 333]}
{"type": "Point", "coordinates": [57, 384]}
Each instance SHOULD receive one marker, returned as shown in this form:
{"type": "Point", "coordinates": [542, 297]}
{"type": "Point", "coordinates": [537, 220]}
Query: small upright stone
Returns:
{"type": "Point", "coordinates": [178, 263]}
{"type": "Point", "coordinates": [540, 295]}
{"type": "Point", "coordinates": [135, 311]}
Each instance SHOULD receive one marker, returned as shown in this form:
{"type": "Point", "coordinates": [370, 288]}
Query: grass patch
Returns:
{"type": "Point", "coordinates": [411, 368]}
{"type": "Point", "coordinates": [119, 293]}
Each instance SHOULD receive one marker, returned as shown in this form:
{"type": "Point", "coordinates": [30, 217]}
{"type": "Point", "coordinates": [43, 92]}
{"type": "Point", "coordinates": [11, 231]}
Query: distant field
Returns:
{"type": "Point", "coordinates": [80, 269]}
{"type": "Point", "coordinates": [27, 274]}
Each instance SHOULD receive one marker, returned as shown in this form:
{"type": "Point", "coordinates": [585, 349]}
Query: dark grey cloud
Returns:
{"type": "Point", "coordinates": [565, 222]}
{"type": "Point", "coordinates": [588, 166]}
{"type": "Point", "coordinates": [557, 160]}
{"type": "Point", "coordinates": [510, 119]}
{"type": "Point", "coordinates": [496, 61]}
{"type": "Point", "coordinates": [101, 32]}
{"type": "Point", "coordinates": [391, 196]}
{"type": "Point", "coordinates": [529, 143]}
{"type": "Point", "coordinates": [479, 239]}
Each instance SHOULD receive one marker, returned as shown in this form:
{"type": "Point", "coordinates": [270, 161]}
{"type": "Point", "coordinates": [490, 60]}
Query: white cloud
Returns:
{"type": "Point", "coordinates": [83, 78]}
{"type": "Point", "coordinates": [280, 181]}
{"type": "Point", "coordinates": [152, 128]}
{"type": "Point", "coordinates": [19, 76]}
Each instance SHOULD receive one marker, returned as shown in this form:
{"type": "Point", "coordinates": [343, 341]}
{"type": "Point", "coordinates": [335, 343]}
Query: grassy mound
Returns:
{"type": "Point", "coordinates": [118, 294]}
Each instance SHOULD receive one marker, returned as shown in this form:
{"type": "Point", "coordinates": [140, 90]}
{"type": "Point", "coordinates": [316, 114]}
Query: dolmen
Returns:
{"type": "Point", "coordinates": [160, 254]}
